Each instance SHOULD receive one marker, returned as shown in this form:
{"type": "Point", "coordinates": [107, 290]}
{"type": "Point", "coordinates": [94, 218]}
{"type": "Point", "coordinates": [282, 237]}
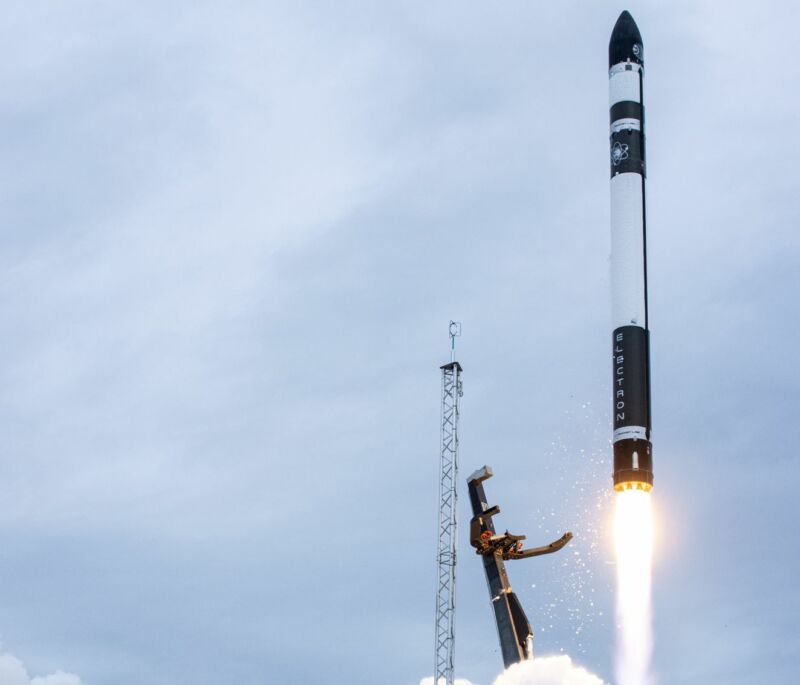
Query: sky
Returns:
{"type": "Point", "coordinates": [231, 238]}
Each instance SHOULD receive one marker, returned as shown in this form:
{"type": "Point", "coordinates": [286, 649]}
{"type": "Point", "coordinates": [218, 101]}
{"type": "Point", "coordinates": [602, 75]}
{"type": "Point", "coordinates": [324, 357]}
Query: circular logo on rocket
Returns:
{"type": "Point", "coordinates": [638, 51]}
{"type": "Point", "coordinates": [619, 152]}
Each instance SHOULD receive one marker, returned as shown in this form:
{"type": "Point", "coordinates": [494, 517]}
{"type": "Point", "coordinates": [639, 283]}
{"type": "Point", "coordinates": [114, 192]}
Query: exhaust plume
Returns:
{"type": "Point", "coordinates": [633, 537]}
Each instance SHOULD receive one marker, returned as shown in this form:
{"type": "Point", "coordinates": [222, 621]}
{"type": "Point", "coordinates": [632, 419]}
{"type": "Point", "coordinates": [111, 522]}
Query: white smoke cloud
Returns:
{"type": "Point", "coordinates": [549, 670]}
{"type": "Point", "coordinates": [13, 672]}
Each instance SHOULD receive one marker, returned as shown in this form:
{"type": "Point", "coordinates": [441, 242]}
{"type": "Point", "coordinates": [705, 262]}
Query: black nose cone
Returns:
{"type": "Point", "coordinates": [626, 41]}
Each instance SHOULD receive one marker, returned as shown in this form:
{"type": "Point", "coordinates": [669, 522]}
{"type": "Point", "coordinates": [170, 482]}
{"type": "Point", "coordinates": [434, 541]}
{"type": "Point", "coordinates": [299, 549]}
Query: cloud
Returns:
{"type": "Point", "coordinates": [552, 670]}
{"type": "Point", "coordinates": [549, 670]}
{"type": "Point", "coordinates": [57, 678]}
{"type": "Point", "coordinates": [13, 672]}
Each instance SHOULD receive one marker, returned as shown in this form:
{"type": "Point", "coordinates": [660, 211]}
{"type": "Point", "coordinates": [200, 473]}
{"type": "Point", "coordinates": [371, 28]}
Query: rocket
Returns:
{"type": "Point", "coordinates": [633, 452]}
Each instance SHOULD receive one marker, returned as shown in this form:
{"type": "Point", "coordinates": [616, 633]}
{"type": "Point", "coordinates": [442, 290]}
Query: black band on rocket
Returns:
{"type": "Point", "coordinates": [627, 152]}
{"type": "Point", "coordinates": [627, 109]}
{"type": "Point", "coordinates": [631, 393]}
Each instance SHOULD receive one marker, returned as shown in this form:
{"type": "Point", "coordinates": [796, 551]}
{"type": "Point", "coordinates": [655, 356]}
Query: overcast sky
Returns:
{"type": "Point", "coordinates": [233, 235]}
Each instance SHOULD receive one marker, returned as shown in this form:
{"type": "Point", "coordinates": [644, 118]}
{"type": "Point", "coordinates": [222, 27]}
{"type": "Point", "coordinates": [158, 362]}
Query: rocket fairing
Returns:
{"type": "Point", "coordinates": [633, 458]}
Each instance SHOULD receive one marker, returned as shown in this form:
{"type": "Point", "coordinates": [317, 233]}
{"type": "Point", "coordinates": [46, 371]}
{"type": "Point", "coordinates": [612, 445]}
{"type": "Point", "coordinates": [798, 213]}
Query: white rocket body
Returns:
{"type": "Point", "coordinates": [630, 338]}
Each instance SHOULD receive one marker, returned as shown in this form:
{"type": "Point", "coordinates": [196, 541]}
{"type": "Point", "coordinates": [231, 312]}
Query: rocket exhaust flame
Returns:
{"type": "Point", "coordinates": [633, 539]}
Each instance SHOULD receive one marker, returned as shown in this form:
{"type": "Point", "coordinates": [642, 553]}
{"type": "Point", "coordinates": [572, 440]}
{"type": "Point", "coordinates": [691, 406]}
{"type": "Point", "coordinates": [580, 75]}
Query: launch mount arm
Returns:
{"type": "Point", "coordinates": [513, 628]}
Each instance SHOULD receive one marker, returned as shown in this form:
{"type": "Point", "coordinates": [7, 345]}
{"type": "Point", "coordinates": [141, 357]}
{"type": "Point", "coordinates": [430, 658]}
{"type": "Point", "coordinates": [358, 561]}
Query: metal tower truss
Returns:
{"type": "Point", "coordinates": [448, 499]}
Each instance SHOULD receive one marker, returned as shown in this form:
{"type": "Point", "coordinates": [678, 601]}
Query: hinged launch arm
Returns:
{"type": "Point", "coordinates": [514, 630]}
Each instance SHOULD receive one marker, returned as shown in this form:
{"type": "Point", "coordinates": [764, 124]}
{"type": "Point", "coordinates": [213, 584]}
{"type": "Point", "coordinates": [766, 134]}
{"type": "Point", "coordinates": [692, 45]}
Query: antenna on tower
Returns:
{"type": "Point", "coordinates": [447, 540]}
{"type": "Point", "coordinates": [455, 332]}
